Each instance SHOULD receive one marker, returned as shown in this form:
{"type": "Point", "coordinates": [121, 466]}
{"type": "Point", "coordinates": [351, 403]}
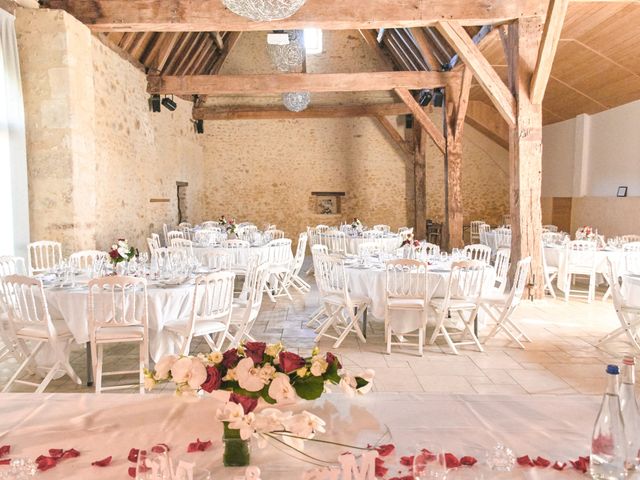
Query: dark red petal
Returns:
{"type": "Point", "coordinates": [71, 453]}
{"type": "Point", "coordinates": [198, 446]}
{"type": "Point", "coordinates": [469, 461]}
{"type": "Point", "coordinates": [45, 463]}
{"type": "Point", "coordinates": [524, 461]}
{"type": "Point", "coordinates": [5, 461]}
{"type": "Point", "coordinates": [541, 462]}
{"type": "Point", "coordinates": [5, 450]}
{"type": "Point", "coordinates": [132, 472]}
{"type": "Point", "coordinates": [56, 452]}
{"type": "Point", "coordinates": [381, 470]}
{"type": "Point", "coordinates": [386, 450]}
{"type": "Point", "coordinates": [133, 455]}
{"type": "Point", "coordinates": [102, 463]}
{"type": "Point", "coordinates": [451, 460]}
{"type": "Point", "coordinates": [428, 456]}
{"type": "Point", "coordinates": [559, 466]}
{"type": "Point", "coordinates": [407, 461]}
{"type": "Point", "coordinates": [160, 448]}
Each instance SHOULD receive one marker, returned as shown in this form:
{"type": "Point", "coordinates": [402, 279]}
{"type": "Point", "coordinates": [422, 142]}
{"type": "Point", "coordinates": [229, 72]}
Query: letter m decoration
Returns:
{"type": "Point", "coordinates": [367, 469]}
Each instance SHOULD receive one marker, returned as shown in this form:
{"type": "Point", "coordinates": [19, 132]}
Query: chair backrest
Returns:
{"type": "Point", "coordinates": [382, 228]}
{"type": "Point", "coordinates": [174, 234]}
{"type": "Point", "coordinates": [10, 265]}
{"type": "Point", "coordinates": [553, 238]}
{"type": "Point", "coordinates": [466, 280]}
{"type": "Point", "coordinates": [368, 249]}
{"type": "Point", "coordinates": [165, 232]}
{"type": "Point", "coordinates": [519, 281]}
{"type": "Point", "coordinates": [156, 239]}
{"type": "Point", "coordinates": [581, 253]}
{"type": "Point", "coordinates": [43, 256]}
{"type": "Point", "coordinates": [501, 265]}
{"type": "Point", "coordinates": [631, 247]}
{"type": "Point", "coordinates": [430, 249]}
{"type": "Point", "coordinates": [254, 281]}
{"type": "Point", "coordinates": [373, 233]}
{"type": "Point", "coordinates": [406, 279]}
{"type": "Point", "coordinates": [335, 240]}
{"type": "Point", "coordinates": [209, 236]}
{"type": "Point", "coordinates": [151, 243]}
{"type": "Point", "coordinates": [213, 297]}
{"type": "Point", "coordinates": [183, 243]}
{"type": "Point", "coordinates": [117, 301]}
{"type": "Point", "coordinates": [185, 225]}
{"type": "Point", "coordinates": [239, 251]}
{"type": "Point", "coordinates": [274, 234]}
{"type": "Point", "coordinates": [478, 252]}
{"type": "Point", "coordinates": [25, 300]}
{"type": "Point", "coordinates": [322, 228]}
{"type": "Point", "coordinates": [550, 228]}
{"type": "Point", "coordinates": [482, 233]}
{"type": "Point", "coordinates": [209, 224]}
{"type": "Point", "coordinates": [503, 237]}
{"type": "Point", "coordinates": [331, 276]}
{"type": "Point", "coordinates": [187, 232]}
{"type": "Point", "coordinates": [630, 238]}
{"type": "Point", "coordinates": [405, 231]}
{"type": "Point", "coordinates": [475, 227]}
{"type": "Point", "coordinates": [300, 253]}
{"type": "Point", "coordinates": [279, 253]}
{"type": "Point", "coordinates": [216, 259]}
{"type": "Point", "coordinates": [85, 259]}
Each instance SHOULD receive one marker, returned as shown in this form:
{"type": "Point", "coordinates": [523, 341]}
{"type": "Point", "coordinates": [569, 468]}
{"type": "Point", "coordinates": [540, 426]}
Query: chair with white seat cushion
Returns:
{"type": "Point", "coordinates": [500, 306]}
{"type": "Point", "coordinates": [85, 259]}
{"type": "Point", "coordinates": [430, 249]}
{"type": "Point", "coordinates": [462, 297]}
{"type": "Point", "coordinates": [31, 322]}
{"type": "Point", "coordinates": [478, 252]}
{"type": "Point", "coordinates": [43, 256]}
{"type": "Point", "coordinates": [474, 231]}
{"type": "Point", "coordinates": [118, 313]}
{"type": "Point", "coordinates": [580, 258]}
{"type": "Point", "coordinates": [344, 311]}
{"type": "Point", "coordinates": [502, 264]}
{"type": "Point", "coordinates": [550, 273]}
{"type": "Point", "coordinates": [210, 313]}
{"type": "Point", "coordinates": [274, 234]}
{"type": "Point", "coordinates": [405, 232]}
{"type": "Point", "coordinates": [406, 290]}
{"type": "Point", "coordinates": [628, 315]}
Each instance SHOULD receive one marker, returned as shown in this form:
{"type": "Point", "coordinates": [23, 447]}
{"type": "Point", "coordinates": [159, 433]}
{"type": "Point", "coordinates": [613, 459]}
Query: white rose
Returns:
{"type": "Point", "coordinates": [249, 376]}
{"type": "Point", "coordinates": [318, 366]}
{"type": "Point", "coordinates": [281, 390]}
{"type": "Point", "coordinates": [164, 366]}
{"type": "Point", "coordinates": [190, 371]}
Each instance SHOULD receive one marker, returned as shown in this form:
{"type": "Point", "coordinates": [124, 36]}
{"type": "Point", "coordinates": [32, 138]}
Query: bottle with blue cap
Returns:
{"type": "Point", "coordinates": [609, 443]}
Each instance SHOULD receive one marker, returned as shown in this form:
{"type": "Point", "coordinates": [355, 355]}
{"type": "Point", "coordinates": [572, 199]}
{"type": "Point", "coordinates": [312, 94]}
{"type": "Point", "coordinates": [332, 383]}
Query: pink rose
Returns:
{"type": "Point", "coordinates": [213, 381]}
{"type": "Point", "coordinates": [230, 358]}
{"type": "Point", "coordinates": [248, 404]}
{"type": "Point", "coordinates": [255, 351]}
{"type": "Point", "coordinates": [291, 362]}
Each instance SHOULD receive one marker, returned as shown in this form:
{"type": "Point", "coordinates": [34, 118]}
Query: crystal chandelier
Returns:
{"type": "Point", "coordinates": [264, 10]}
{"type": "Point", "coordinates": [287, 50]}
{"type": "Point", "coordinates": [296, 101]}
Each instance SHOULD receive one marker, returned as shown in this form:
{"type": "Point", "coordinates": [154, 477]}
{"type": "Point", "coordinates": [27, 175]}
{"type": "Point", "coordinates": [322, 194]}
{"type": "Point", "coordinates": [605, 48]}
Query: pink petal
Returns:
{"type": "Point", "coordinates": [5, 450]}
{"type": "Point", "coordinates": [198, 446]}
{"type": "Point", "coordinates": [102, 463]}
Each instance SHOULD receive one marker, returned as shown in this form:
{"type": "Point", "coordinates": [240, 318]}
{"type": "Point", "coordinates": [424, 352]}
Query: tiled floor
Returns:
{"type": "Point", "coordinates": [561, 360]}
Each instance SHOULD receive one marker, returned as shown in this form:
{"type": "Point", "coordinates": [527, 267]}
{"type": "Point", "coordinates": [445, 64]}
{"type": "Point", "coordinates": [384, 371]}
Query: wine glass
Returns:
{"type": "Point", "coordinates": [429, 463]}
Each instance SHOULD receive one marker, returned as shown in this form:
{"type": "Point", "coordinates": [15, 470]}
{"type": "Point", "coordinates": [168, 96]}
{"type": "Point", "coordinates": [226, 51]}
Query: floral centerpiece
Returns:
{"type": "Point", "coordinates": [410, 241]}
{"type": "Point", "coordinates": [252, 372]}
{"type": "Point", "coordinates": [586, 232]}
{"type": "Point", "coordinates": [121, 251]}
{"type": "Point", "coordinates": [356, 223]}
{"type": "Point", "coordinates": [229, 225]}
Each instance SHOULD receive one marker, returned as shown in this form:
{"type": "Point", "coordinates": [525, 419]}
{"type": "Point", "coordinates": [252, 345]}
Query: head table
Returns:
{"type": "Point", "coordinates": [98, 426]}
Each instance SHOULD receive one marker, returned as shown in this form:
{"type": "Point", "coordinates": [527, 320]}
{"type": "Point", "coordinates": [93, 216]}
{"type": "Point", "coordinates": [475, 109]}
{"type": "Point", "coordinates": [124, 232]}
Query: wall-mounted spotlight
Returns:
{"type": "Point", "coordinates": [408, 121]}
{"type": "Point", "coordinates": [169, 103]}
{"type": "Point", "coordinates": [425, 97]}
{"type": "Point", "coordinates": [438, 97]}
{"type": "Point", "coordinates": [154, 103]}
{"type": "Point", "coordinates": [199, 126]}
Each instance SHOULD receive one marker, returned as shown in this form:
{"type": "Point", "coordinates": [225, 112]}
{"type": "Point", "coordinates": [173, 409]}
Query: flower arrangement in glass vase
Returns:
{"type": "Point", "coordinates": [121, 251]}
{"type": "Point", "coordinates": [586, 232]}
{"type": "Point", "coordinates": [255, 371]}
{"type": "Point", "coordinates": [410, 241]}
{"type": "Point", "coordinates": [229, 225]}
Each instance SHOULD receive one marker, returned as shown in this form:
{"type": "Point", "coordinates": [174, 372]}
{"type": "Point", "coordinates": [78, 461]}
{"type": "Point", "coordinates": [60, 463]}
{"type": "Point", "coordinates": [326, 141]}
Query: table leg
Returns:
{"type": "Point", "coordinates": [89, 365]}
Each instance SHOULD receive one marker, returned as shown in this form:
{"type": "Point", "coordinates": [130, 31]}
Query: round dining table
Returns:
{"type": "Point", "coordinates": [389, 243]}
{"type": "Point", "coordinates": [200, 253]}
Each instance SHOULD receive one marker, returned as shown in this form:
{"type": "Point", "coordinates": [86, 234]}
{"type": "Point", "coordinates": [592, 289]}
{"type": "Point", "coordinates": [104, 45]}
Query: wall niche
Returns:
{"type": "Point", "coordinates": [327, 203]}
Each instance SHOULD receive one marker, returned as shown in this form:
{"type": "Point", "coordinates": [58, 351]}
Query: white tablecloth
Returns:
{"type": "Point", "coordinates": [389, 243]}
{"type": "Point", "coordinates": [200, 252]}
{"type": "Point", "coordinates": [556, 257]}
{"type": "Point", "coordinates": [554, 427]}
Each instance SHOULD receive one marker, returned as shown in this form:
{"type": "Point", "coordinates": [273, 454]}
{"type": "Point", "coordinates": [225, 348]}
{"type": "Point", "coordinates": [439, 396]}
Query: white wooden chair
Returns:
{"type": "Point", "coordinates": [239, 251]}
{"type": "Point", "coordinates": [405, 232]}
{"type": "Point", "coordinates": [172, 235]}
{"type": "Point", "coordinates": [630, 238]}
{"type": "Point", "coordinates": [10, 265]}
{"type": "Point", "coordinates": [550, 228]}
{"type": "Point", "coordinates": [31, 322]}
{"type": "Point", "coordinates": [478, 252]}
{"type": "Point", "coordinates": [274, 234]}
{"type": "Point", "coordinates": [372, 234]}
{"type": "Point", "coordinates": [316, 318]}
{"type": "Point", "coordinates": [322, 228]}
{"type": "Point", "coordinates": [183, 243]}
{"type": "Point", "coordinates": [217, 260]}
{"type": "Point", "coordinates": [628, 315]}
{"type": "Point", "coordinates": [165, 232]}
{"type": "Point", "coordinates": [187, 231]}
{"type": "Point", "coordinates": [344, 311]}
{"type": "Point", "coordinates": [11, 347]}
{"type": "Point", "coordinates": [550, 273]}
{"type": "Point", "coordinates": [43, 256]}
{"type": "Point", "coordinates": [210, 313]}
{"type": "Point", "coordinates": [431, 249]}
{"type": "Point", "coordinates": [580, 259]}
{"type": "Point", "coordinates": [502, 237]}
{"type": "Point", "coordinates": [382, 228]}
{"type": "Point", "coordinates": [280, 266]}
{"type": "Point", "coordinates": [502, 264]}
{"type": "Point", "coordinates": [209, 224]}
{"type": "Point", "coordinates": [118, 313]}
{"type": "Point", "coordinates": [296, 280]}
{"type": "Point", "coordinates": [500, 307]}
{"type": "Point", "coordinates": [406, 290]}
{"type": "Point", "coordinates": [244, 315]}
{"type": "Point", "coordinates": [483, 229]}
{"type": "Point", "coordinates": [462, 297]}
{"type": "Point", "coordinates": [85, 259]}
{"type": "Point", "coordinates": [335, 240]}
{"type": "Point", "coordinates": [153, 242]}
{"type": "Point", "coordinates": [474, 231]}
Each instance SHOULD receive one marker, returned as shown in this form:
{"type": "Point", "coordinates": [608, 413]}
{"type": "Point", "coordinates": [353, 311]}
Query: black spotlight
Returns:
{"type": "Point", "coordinates": [438, 98]}
{"type": "Point", "coordinates": [425, 97]}
{"type": "Point", "coordinates": [408, 121]}
{"type": "Point", "coordinates": [154, 103]}
{"type": "Point", "coordinates": [169, 104]}
{"type": "Point", "coordinates": [199, 125]}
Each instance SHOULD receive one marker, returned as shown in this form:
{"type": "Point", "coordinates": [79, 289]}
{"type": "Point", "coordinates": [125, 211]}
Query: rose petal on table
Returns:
{"type": "Point", "coordinates": [451, 460]}
{"type": "Point", "coordinates": [5, 450]}
{"type": "Point", "coordinates": [102, 463]}
{"type": "Point", "coordinates": [381, 470]}
{"type": "Point", "coordinates": [71, 453]}
{"type": "Point", "coordinates": [586, 460]}
{"type": "Point", "coordinates": [406, 477]}
{"type": "Point", "coordinates": [407, 461]}
{"type": "Point", "coordinates": [5, 461]}
{"type": "Point", "coordinates": [198, 446]}
{"type": "Point", "coordinates": [524, 461]}
{"type": "Point", "coordinates": [386, 450]}
{"type": "Point", "coordinates": [159, 448]}
{"type": "Point", "coordinates": [56, 452]}
{"type": "Point", "coordinates": [132, 472]}
{"type": "Point", "coordinates": [427, 455]}
{"type": "Point", "coordinates": [45, 463]}
{"type": "Point", "coordinates": [541, 462]}
{"type": "Point", "coordinates": [133, 455]}
{"type": "Point", "coordinates": [580, 464]}
{"type": "Point", "coordinates": [559, 466]}
{"type": "Point", "coordinates": [469, 461]}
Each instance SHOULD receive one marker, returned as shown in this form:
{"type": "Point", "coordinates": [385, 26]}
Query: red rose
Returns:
{"type": "Point", "coordinates": [213, 381]}
{"type": "Point", "coordinates": [114, 254]}
{"type": "Point", "coordinates": [330, 358]}
{"type": "Point", "coordinates": [230, 358]}
{"type": "Point", "coordinates": [255, 351]}
{"type": "Point", "coordinates": [291, 362]}
{"type": "Point", "coordinates": [248, 404]}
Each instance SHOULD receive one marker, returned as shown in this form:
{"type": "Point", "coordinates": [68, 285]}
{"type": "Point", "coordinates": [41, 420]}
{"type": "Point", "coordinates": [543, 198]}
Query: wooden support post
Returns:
{"type": "Point", "coordinates": [525, 151]}
{"type": "Point", "coordinates": [420, 182]}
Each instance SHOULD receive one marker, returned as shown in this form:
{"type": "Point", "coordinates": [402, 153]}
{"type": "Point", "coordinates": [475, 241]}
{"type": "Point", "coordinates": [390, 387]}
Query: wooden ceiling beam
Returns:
{"type": "Point", "coordinates": [206, 55]}
{"type": "Point", "coordinates": [204, 46]}
{"type": "Point", "coordinates": [547, 52]}
{"type": "Point", "coordinates": [211, 15]}
{"type": "Point", "coordinates": [370, 38]}
{"type": "Point", "coordinates": [121, 52]}
{"type": "Point", "coordinates": [178, 53]}
{"type": "Point", "coordinates": [230, 42]}
{"type": "Point", "coordinates": [422, 118]}
{"type": "Point", "coordinates": [167, 44]}
{"type": "Point", "coordinates": [487, 77]}
{"type": "Point", "coordinates": [314, 111]}
{"type": "Point", "coordinates": [426, 49]}
{"type": "Point", "coordinates": [187, 56]}
{"type": "Point", "coordinates": [296, 82]}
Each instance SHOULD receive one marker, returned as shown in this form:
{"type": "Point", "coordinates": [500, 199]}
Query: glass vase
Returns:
{"type": "Point", "coordinates": [236, 450]}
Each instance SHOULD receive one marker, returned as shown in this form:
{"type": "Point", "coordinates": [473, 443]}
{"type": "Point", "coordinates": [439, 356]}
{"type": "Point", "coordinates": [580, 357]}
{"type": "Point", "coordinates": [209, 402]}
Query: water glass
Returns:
{"type": "Point", "coordinates": [154, 464]}
{"type": "Point", "coordinates": [429, 463]}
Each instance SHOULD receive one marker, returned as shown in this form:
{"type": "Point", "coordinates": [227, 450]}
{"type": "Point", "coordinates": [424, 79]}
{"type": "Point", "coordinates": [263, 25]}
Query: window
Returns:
{"type": "Point", "coordinates": [313, 41]}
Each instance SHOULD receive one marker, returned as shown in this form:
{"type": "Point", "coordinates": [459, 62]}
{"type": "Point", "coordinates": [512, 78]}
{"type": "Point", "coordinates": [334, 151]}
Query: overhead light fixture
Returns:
{"type": "Point", "coordinates": [408, 121]}
{"type": "Point", "coordinates": [296, 101]}
{"type": "Point", "coordinates": [438, 97]}
{"type": "Point", "coordinates": [169, 104]}
{"type": "Point", "coordinates": [199, 126]}
{"type": "Point", "coordinates": [264, 10]}
{"type": "Point", "coordinates": [425, 97]}
{"type": "Point", "coordinates": [154, 103]}
{"type": "Point", "coordinates": [286, 50]}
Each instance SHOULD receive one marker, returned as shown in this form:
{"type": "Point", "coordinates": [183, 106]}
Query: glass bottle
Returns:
{"type": "Point", "coordinates": [608, 443]}
{"type": "Point", "coordinates": [630, 414]}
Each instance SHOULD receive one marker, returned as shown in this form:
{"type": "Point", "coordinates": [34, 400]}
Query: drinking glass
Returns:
{"type": "Point", "coordinates": [429, 463]}
{"type": "Point", "coordinates": [154, 464]}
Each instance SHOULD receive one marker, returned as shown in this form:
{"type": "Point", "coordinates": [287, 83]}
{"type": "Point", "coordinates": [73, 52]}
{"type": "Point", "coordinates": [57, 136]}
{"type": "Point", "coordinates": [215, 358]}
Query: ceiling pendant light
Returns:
{"type": "Point", "coordinates": [264, 10]}
{"type": "Point", "coordinates": [296, 101]}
